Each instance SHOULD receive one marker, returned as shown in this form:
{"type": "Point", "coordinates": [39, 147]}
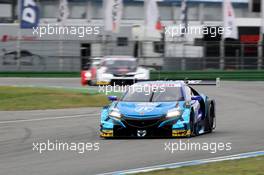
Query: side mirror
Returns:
{"type": "Point", "coordinates": [112, 98]}
{"type": "Point", "coordinates": [198, 98]}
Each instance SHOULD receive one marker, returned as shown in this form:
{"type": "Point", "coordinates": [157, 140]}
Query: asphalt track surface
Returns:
{"type": "Point", "coordinates": [240, 119]}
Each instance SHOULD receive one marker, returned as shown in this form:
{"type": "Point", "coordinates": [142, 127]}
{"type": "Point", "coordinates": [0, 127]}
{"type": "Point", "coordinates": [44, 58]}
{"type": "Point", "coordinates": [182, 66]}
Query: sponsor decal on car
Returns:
{"type": "Point", "coordinates": [143, 108]}
{"type": "Point", "coordinates": [107, 133]}
{"type": "Point", "coordinates": [180, 133]}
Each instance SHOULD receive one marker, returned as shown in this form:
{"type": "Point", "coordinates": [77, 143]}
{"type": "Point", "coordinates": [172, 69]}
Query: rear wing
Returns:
{"type": "Point", "coordinates": [215, 82]}
{"type": "Point", "coordinates": [211, 82]}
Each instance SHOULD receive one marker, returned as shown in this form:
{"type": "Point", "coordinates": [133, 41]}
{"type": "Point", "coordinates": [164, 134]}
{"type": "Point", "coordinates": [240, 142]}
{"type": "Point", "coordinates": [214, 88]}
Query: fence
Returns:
{"type": "Point", "coordinates": [169, 56]}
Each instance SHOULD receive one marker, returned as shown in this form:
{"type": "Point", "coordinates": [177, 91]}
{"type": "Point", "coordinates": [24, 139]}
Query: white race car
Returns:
{"type": "Point", "coordinates": [118, 70]}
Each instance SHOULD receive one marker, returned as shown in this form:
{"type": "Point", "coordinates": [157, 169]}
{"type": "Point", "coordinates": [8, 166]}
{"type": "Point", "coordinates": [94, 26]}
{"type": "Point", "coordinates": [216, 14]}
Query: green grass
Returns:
{"type": "Point", "coordinates": [27, 98]}
{"type": "Point", "coordinates": [249, 166]}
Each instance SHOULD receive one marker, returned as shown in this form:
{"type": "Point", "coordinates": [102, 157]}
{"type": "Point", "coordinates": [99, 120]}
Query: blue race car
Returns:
{"type": "Point", "coordinates": [158, 109]}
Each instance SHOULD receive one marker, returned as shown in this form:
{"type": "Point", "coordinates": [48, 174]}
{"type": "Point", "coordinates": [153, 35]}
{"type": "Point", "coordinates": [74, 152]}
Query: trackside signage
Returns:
{"type": "Point", "coordinates": [29, 14]}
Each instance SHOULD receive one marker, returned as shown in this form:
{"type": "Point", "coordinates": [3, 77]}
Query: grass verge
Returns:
{"type": "Point", "coordinates": [249, 166]}
{"type": "Point", "coordinates": [28, 98]}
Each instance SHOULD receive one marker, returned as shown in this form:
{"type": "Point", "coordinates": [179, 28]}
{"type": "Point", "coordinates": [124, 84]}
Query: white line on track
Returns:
{"type": "Point", "coordinates": [47, 118]}
{"type": "Point", "coordinates": [187, 163]}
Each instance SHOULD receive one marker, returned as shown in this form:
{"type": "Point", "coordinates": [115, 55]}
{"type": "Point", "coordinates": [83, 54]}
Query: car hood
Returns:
{"type": "Point", "coordinates": [145, 109]}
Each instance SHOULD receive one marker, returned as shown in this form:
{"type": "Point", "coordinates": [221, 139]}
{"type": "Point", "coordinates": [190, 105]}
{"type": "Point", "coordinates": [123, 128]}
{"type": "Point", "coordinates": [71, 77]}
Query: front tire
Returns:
{"type": "Point", "coordinates": [192, 125]}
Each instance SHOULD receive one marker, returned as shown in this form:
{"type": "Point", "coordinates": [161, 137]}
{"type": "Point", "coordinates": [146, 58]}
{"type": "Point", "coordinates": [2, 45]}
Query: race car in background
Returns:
{"type": "Point", "coordinates": [88, 77]}
{"type": "Point", "coordinates": [115, 69]}
{"type": "Point", "coordinates": [169, 109]}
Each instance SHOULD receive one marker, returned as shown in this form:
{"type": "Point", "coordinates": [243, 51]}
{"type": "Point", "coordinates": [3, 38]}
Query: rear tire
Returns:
{"type": "Point", "coordinates": [210, 119]}
{"type": "Point", "coordinates": [91, 82]}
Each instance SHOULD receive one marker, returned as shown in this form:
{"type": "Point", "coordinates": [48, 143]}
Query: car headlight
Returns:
{"type": "Point", "coordinates": [174, 113]}
{"type": "Point", "coordinates": [115, 114]}
{"type": "Point", "coordinates": [88, 75]}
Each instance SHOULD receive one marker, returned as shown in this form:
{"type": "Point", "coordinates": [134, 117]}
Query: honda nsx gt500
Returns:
{"type": "Point", "coordinates": [166, 109]}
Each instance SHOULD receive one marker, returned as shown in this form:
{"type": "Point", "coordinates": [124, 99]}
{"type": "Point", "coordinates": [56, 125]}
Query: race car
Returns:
{"type": "Point", "coordinates": [159, 109]}
{"type": "Point", "coordinates": [115, 69]}
{"type": "Point", "coordinates": [88, 75]}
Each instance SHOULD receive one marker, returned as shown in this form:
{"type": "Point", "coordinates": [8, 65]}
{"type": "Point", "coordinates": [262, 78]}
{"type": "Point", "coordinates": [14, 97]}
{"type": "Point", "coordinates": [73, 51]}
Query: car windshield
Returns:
{"type": "Point", "coordinates": [168, 94]}
{"type": "Point", "coordinates": [119, 63]}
